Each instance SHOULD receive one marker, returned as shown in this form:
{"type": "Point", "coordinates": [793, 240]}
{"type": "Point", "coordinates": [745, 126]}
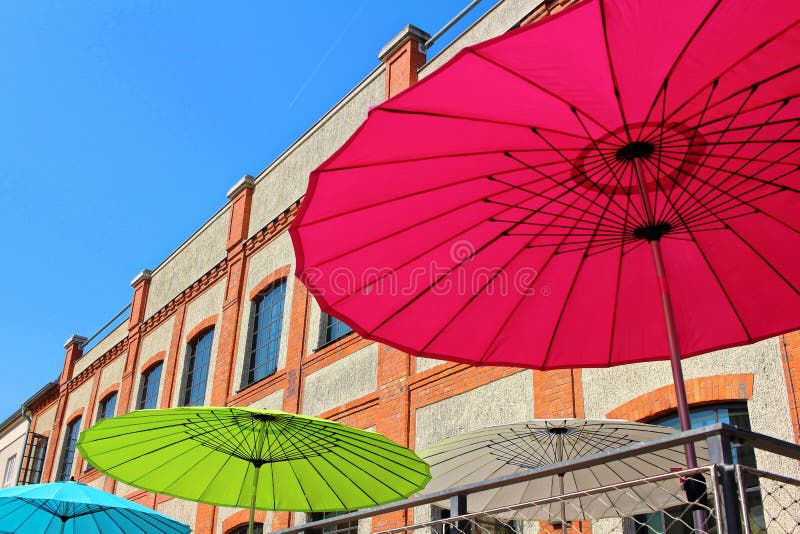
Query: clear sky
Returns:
{"type": "Point", "coordinates": [124, 123]}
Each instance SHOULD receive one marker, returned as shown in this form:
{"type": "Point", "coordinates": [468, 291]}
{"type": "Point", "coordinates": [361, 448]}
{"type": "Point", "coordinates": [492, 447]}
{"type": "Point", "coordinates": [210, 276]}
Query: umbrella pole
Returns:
{"type": "Point", "coordinates": [63, 523]}
{"type": "Point", "coordinates": [560, 458]}
{"type": "Point", "coordinates": [251, 524]}
{"type": "Point", "coordinates": [674, 350]}
{"type": "Point", "coordinates": [699, 516]}
{"type": "Point", "coordinates": [669, 317]}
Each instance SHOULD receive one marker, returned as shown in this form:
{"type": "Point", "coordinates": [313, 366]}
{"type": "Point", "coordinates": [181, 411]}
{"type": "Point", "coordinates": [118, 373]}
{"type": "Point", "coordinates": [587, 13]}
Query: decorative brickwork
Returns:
{"type": "Point", "coordinates": [706, 390]}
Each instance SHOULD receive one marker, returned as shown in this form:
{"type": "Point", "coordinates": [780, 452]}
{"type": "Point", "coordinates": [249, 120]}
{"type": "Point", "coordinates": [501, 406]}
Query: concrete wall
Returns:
{"type": "Point", "coordinates": [206, 305]}
{"type": "Point", "coordinates": [102, 346]}
{"type": "Point", "coordinates": [184, 511]}
{"type": "Point", "coordinates": [204, 249]}
{"type": "Point", "coordinates": [112, 373]}
{"type": "Point", "coordinates": [12, 445]}
{"type": "Point", "coordinates": [341, 382]}
{"type": "Point", "coordinates": [285, 180]}
{"type": "Point", "coordinates": [508, 400]}
{"type": "Point", "coordinates": [45, 420]}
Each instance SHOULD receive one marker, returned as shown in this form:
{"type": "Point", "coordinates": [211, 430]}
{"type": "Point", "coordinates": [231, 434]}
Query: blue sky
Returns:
{"type": "Point", "coordinates": [123, 125]}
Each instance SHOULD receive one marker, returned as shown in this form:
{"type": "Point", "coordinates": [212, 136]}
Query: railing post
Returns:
{"type": "Point", "coordinates": [721, 454]}
{"type": "Point", "coordinates": [458, 507]}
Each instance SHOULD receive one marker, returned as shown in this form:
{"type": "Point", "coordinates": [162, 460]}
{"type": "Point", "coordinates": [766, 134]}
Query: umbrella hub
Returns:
{"type": "Point", "coordinates": [635, 150]}
{"type": "Point", "coordinates": [652, 232]}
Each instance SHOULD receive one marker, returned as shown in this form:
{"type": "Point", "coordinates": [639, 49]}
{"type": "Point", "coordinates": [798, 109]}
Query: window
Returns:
{"type": "Point", "coordinates": [195, 372]}
{"type": "Point", "coordinates": [106, 407]}
{"type": "Point", "coordinates": [258, 528]}
{"type": "Point", "coordinates": [265, 339]}
{"type": "Point", "coordinates": [148, 389]}
{"type": "Point", "coordinates": [486, 524]}
{"type": "Point", "coordinates": [8, 478]}
{"type": "Point", "coordinates": [346, 527]}
{"type": "Point", "coordinates": [332, 329]}
{"type": "Point", "coordinates": [33, 459]}
{"type": "Point", "coordinates": [734, 414]}
{"type": "Point", "coordinates": [68, 450]}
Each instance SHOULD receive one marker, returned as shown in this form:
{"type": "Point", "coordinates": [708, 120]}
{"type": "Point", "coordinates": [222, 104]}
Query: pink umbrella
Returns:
{"type": "Point", "coordinates": [527, 203]}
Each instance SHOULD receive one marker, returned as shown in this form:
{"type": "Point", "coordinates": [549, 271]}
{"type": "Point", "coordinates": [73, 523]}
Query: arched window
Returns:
{"type": "Point", "coordinates": [265, 338]}
{"type": "Point", "coordinates": [258, 528]}
{"type": "Point", "coordinates": [195, 370]}
{"type": "Point", "coordinates": [734, 414]}
{"type": "Point", "coordinates": [68, 450]}
{"type": "Point", "coordinates": [148, 388]}
{"type": "Point", "coordinates": [332, 329]}
{"type": "Point", "coordinates": [107, 406]}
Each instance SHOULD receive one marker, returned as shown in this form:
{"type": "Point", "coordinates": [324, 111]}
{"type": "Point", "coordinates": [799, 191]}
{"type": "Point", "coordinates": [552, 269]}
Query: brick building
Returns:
{"type": "Point", "coordinates": [223, 321]}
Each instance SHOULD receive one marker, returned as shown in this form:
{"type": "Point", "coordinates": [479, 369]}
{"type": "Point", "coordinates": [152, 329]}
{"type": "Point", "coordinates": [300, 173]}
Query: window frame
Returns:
{"type": "Point", "coordinates": [327, 324]}
{"type": "Point", "coordinates": [188, 384]}
{"type": "Point", "coordinates": [258, 528]}
{"type": "Point", "coordinates": [66, 462]}
{"type": "Point", "coordinates": [145, 382]}
{"type": "Point", "coordinates": [33, 459]}
{"type": "Point", "coordinates": [347, 527]}
{"type": "Point", "coordinates": [256, 330]}
{"type": "Point", "coordinates": [8, 475]}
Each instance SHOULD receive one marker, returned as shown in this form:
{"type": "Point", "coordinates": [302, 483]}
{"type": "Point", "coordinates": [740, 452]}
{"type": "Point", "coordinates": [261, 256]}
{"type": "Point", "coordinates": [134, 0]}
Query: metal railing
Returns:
{"type": "Point", "coordinates": [737, 500]}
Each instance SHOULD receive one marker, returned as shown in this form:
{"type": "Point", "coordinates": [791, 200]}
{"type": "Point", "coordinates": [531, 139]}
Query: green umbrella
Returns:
{"type": "Point", "coordinates": [246, 457]}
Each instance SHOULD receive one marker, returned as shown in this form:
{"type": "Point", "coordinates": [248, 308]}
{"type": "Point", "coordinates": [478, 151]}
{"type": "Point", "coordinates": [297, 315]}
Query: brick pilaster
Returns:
{"type": "Point", "coordinates": [241, 196]}
{"type": "Point", "coordinates": [402, 57]}
{"type": "Point", "coordinates": [74, 350]}
{"type": "Point", "coordinates": [141, 288]}
{"type": "Point", "coordinates": [393, 415]}
{"type": "Point", "coordinates": [557, 393]}
{"type": "Point", "coordinates": [171, 360]}
{"type": "Point", "coordinates": [790, 352]}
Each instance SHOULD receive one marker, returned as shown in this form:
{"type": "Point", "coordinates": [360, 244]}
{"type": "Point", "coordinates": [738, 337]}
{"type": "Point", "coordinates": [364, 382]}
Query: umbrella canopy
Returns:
{"type": "Point", "coordinates": [617, 183]}
{"type": "Point", "coordinates": [499, 211]}
{"type": "Point", "coordinates": [505, 450]}
{"type": "Point", "coordinates": [248, 457]}
{"type": "Point", "coordinates": [73, 508]}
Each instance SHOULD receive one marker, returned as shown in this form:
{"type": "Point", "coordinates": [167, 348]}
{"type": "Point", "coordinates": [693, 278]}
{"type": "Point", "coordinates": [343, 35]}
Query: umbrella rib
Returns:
{"type": "Point", "coordinates": [520, 300]}
{"type": "Point", "coordinates": [611, 71]}
{"type": "Point", "coordinates": [719, 192]}
{"type": "Point", "coordinates": [481, 176]}
{"type": "Point", "coordinates": [716, 277]}
{"type": "Point", "coordinates": [730, 67]}
{"type": "Point", "coordinates": [741, 144]}
{"type": "Point", "coordinates": [691, 141]}
{"type": "Point", "coordinates": [569, 294]}
{"type": "Point", "coordinates": [680, 56]}
{"type": "Point", "coordinates": [542, 89]}
{"type": "Point", "coordinates": [562, 184]}
{"type": "Point", "coordinates": [680, 201]}
{"type": "Point", "coordinates": [711, 213]}
{"type": "Point", "coordinates": [439, 115]}
{"type": "Point", "coordinates": [427, 220]}
{"type": "Point", "coordinates": [572, 164]}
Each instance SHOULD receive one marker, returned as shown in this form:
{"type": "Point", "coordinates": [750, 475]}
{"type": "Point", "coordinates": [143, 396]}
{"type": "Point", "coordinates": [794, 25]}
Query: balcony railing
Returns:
{"type": "Point", "coordinates": [737, 499]}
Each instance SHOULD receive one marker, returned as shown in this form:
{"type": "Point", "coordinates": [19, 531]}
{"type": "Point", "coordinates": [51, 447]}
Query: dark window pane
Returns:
{"type": "Point", "coordinates": [266, 334]}
{"type": "Point", "coordinates": [333, 329]}
{"type": "Point", "coordinates": [33, 459]}
{"type": "Point", "coordinates": [195, 379]}
{"type": "Point", "coordinates": [148, 389]}
{"type": "Point", "coordinates": [258, 528]}
{"type": "Point", "coordinates": [345, 527]}
{"type": "Point", "coordinates": [732, 414]}
{"type": "Point", "coordinates": [107, 406]}
{"type": "Point", "coordinates": [68, 450]}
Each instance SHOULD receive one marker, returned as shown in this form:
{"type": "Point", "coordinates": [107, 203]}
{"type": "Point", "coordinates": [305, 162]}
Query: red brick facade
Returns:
{"type": "Point", "coordinates": [400, 390]}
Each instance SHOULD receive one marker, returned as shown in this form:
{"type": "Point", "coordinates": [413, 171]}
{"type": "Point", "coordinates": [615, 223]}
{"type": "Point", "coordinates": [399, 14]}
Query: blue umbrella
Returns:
{"type": "Point", "coordinates": [73, 508]}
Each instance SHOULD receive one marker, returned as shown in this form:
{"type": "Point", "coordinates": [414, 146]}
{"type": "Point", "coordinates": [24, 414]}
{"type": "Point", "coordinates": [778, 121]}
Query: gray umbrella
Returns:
{"type": "Point", "coordinates": [504, 450]}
